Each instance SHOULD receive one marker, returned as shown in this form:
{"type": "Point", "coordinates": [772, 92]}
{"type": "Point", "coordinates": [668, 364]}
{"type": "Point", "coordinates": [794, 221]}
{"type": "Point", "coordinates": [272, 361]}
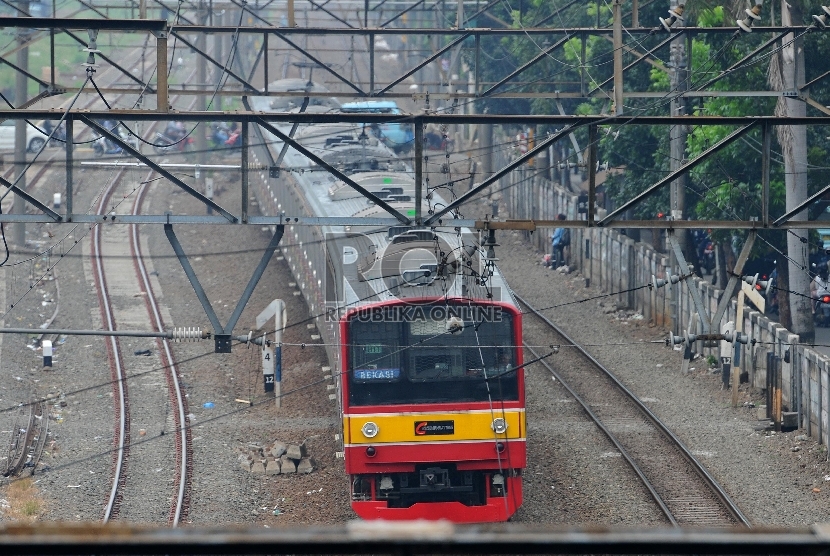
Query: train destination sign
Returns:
{"type": "Point", "coordinates": [377, 374]}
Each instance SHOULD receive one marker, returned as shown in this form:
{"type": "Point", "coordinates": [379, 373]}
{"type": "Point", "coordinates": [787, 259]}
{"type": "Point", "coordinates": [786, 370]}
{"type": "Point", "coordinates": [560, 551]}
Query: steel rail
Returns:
{"type": "Point", "coordinates": [116, 368]}
{"type": "Point", "coordinates": [119, 478]}
{"type": "Point", "coordinates": [184, 447]}
{"type": "Point", "coordinates": [20, 444]}
{"type": "Point", "coordinates": [42, 435]}
{"type": "Point", "coordinates": [119, 379]}
{"type": "Point", "coordinates": [595, 418]}
{"type": "Point", "coordinates": [701, 471]}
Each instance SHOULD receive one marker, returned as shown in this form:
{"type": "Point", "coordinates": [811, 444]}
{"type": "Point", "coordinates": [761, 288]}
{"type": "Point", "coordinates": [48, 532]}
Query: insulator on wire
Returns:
{"type": "Point", "coordinates": [736, 337]}
{"type": "Point", "coordinates": [660, 282]}
{"type": "Point", "coordinates": [688, 339]}
{"type": "Point", "coordinates": [188, 334]}
{"type": "Point", "coordinates": [675, 14]}
{"type": "Point", "coordinates": [820, 21]}
{"type": "Point", "coordinates": [752, 15]}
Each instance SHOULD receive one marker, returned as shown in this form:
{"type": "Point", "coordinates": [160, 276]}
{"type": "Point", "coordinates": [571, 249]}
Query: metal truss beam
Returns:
{"type": "Point", "coordinates": [53, 216]}
{"type": "Point", "coordinates": [401, 14]}
{"type": "Point", "coordinates": [679, 172]}
{"type": "Point", "coordinates": [210, 59]}
{"type": "Point", "coordinates": [334, 171]}
{"type": "Point", "coordinates": [552, 15]}
{"type": "Point", "coordinates": [380, 222]}
{"type": "Point", "coordinates": [320, 63]}
{"type": "Point", "coordinates": [536, 59]}
{"type": "Point", "coordinates": [128, 149]}
{"type": "Point", "coordinates": [175, 8]}
{"type": "Point", "coordinates": [18, 69]}
{"type": "Point", "coordinates": [81, 23]}
{"type": "Point", "coordinates": [640, 58]}
{"type": "Point", "coordinates": [140, 115]}
{"type": "Point", "coordinates": [233, 90]}
{"type": "Point", "coordinates": [790, 214]}
{"type": "Point", "coordinates": [113, 63]}
{"type": "Point", "coordinates": [743, 60]}
{"type": "Point", "coordinates": [429, 31]}
{"type": "Point", "coordinates": [298, 48]}
{"type": "Point", "coordinates": [423, 63]}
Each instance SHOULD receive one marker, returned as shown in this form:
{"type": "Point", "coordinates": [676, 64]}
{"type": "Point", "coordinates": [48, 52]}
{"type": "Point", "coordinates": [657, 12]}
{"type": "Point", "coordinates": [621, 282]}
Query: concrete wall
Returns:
{"type": "Point", "coordinates": [616, 264]}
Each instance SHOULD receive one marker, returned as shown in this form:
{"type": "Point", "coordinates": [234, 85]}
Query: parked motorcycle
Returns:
{"type": "Point", "coordinates": [164, 144]}
{"type": "Point", "coordinates": [821, 316]}
{"type": "Point", "coordinates": [102, 145]}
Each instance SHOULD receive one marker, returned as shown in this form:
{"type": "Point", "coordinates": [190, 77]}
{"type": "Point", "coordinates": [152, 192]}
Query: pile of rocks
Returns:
{"type": "Point", "coordinates": [275, 459]}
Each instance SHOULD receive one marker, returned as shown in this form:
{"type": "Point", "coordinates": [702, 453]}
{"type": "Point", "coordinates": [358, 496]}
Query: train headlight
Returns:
{"type": "Point", "coordinates": [369, 429]}
{"type": "Point", "coordinates": [499, 425]}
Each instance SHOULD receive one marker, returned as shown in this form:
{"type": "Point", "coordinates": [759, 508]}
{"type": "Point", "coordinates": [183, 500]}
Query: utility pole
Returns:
{"type": "Point", "coordinates": [679, 76]}
{"type": "Point", "coordinates": [20, 96]}
{"type": "Point", "coordinates": [793, 140]}
{"type": "Point", "coordinates": [679, 82]}
{"type": "Point", "coordinates": [618, 65]}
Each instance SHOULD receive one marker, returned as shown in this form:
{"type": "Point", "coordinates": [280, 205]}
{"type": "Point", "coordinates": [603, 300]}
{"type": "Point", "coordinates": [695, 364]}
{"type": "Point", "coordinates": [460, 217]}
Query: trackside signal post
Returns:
{"type": "Point", "coordinates": [272, 354]}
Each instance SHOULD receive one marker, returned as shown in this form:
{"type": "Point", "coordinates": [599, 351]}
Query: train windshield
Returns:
{"type": "Point", "coordinates": [431, 360]}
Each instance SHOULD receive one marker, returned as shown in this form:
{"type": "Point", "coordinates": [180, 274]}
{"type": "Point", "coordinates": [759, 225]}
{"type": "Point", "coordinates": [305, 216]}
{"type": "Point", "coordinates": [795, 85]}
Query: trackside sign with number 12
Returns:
{"type": "Point", "coordinates": [268, 368]}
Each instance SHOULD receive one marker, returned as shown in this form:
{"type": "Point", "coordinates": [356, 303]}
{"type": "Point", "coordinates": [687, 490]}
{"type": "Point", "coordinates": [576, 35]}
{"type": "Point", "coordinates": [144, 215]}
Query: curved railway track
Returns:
{"type": "Point", "coordinates": [184, 450]}
{"type": "Point", "coordinates": [183, 456]}
{"type": "Point", "coordinates": [26, 444]}
{"type": "Point", "coordinates": [685, 491]}
{"type": "Point", "coordinates": [184, 453]}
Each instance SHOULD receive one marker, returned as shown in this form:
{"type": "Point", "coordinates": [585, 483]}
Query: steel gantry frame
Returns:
{"type": "Point", "coordinates": [455, 36]}
{"type": "Point", "coordinates": [267, 121]}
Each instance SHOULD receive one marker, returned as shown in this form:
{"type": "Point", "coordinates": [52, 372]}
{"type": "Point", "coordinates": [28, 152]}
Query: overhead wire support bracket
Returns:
{"type": "Point", "coordinates": [685, 271]}
{"type": "Point", "coordinates": [222, 334]}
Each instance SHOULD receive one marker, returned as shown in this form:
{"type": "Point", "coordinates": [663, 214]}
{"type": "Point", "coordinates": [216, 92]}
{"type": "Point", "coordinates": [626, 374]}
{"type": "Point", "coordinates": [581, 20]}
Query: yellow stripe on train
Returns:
{"type": "Point", "coordinates": [433, 427]}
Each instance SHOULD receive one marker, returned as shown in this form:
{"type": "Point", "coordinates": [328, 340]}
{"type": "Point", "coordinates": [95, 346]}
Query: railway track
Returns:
{"type": "Point", "coordinates": [141, 278]}
{"type": "Point", "coordinates": [685, 491]}
{"type": "Point", "coordinates": [26, 444]}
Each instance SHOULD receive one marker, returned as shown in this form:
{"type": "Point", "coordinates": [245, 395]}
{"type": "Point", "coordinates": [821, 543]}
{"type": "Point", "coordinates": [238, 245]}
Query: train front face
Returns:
{"type": "Point", "coordinates": [434, 410]}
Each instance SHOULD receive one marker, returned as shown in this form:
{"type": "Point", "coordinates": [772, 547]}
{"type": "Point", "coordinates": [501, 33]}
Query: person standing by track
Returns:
{"type": "Point", "coordinates": [560, 239]}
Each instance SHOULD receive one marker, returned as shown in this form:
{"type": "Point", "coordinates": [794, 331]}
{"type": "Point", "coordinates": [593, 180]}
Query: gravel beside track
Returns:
{"type": "Point", "coordinates": [688, 497]}
{"type": "Point", "coordinates": [774, 478]}
{"type": "Point", "coordinates": [223, 258]}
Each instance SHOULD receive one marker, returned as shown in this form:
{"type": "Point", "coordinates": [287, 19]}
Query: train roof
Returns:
{"type": "Point", "coordinates": [396, 263]}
